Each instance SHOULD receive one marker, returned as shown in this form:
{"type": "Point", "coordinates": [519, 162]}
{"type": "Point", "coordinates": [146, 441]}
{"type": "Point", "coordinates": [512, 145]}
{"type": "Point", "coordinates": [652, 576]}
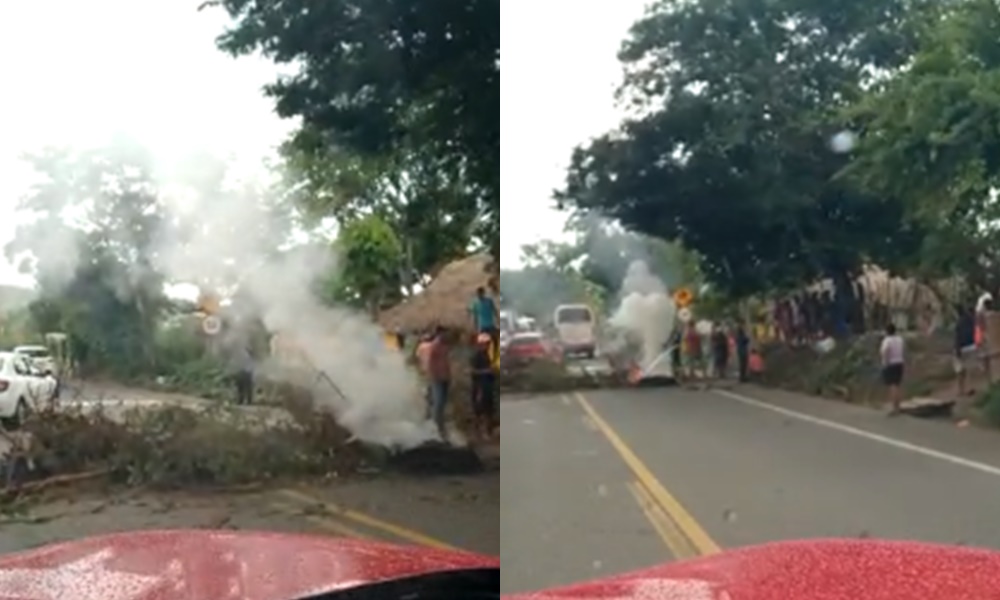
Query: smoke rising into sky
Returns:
{"type": "Point", "coordinates": [646, 311]}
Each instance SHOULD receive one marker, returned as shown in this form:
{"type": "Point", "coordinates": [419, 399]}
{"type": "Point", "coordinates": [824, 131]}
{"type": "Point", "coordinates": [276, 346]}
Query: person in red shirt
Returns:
{"type": "Point", "coordinates": [439, 376]}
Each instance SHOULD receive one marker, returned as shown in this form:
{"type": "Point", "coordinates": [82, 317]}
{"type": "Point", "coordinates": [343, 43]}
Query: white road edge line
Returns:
{"type": "Point", "coordinates": [861, 433]}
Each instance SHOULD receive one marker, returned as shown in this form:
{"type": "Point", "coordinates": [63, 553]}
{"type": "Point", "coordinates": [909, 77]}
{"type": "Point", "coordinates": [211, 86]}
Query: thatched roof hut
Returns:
{"type": "Point", "coordinates": [446, 300]}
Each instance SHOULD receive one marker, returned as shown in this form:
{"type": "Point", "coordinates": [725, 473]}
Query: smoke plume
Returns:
{"type": "Point", "coordinates": [367, 386]}
{"type": "Point", "coordinates": [646, 311]}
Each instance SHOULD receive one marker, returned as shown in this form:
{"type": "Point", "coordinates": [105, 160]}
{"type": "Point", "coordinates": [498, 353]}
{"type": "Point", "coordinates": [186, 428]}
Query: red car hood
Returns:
{"type": "Point", "coordinates": [208, 565]}
{"type": "Point", "coordinates": [205, 565]}
{"type": "Point", "coordinates": [812, 570]}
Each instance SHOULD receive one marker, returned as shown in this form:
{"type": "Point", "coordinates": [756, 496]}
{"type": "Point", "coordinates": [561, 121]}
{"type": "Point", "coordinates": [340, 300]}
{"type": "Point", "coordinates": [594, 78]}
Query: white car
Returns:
{"type": "Point", "coordinates": [40, 357]}
{"type": "Point", "coordinates": [23, 389]}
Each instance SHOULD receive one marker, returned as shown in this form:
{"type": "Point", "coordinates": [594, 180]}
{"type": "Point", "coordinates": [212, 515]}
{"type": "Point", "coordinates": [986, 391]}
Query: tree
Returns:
{"type": "Point", "coordinates": [426, 208]}
{"type": "Point", "coordinates": [929, 139]}
{"type": "Point", "coordinates": [92, 247]}
{"type": "Point", "coordinates": [371, 255]}
{"type": "Point", "coordinates": [537, 290]}
{"type": "Point", "coordinates": [727, 151]}
{"type": "Point", "coordinates": [379, 77]}
{"type": "Point", "coordinates": [591, 267]}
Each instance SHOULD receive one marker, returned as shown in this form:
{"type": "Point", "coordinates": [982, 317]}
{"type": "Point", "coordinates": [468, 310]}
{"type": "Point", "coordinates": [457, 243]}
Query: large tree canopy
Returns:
{"type": "Point", "coordinates": [734, 104]}
{"type": "Point", "coordinates": [388, 76]}
{"type": "Point", "coordinates": [931, 139]}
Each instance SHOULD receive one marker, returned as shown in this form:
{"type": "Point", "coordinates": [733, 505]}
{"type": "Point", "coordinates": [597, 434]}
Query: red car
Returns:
{"type": "Point", "coordinates": [208, 565]}
{"type": "Point", "coordinates": [523, 348]}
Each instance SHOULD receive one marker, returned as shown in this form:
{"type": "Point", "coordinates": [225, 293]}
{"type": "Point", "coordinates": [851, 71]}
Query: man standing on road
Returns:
{"type": "Point", "coordinates": [484, 387]}
{"type": "Point", "coordinates": [965, 347]}
{"type": "Point", "coordinates": [693, 353]}
{"type": "Point", "coordinates": [720, 351]}
{"type": "Point", "coordinates": [243, 367]}
{"type": "Point", "coordinates": [439, 374]}
{"type": "Point", "coordinates": [743, 352]}
{"type": "Point", "coordinates": [893, 358]}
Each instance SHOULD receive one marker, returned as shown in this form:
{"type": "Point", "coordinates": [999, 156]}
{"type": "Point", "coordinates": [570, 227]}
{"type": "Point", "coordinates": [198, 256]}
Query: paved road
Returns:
{"type": "Point", "coordinates": [459, 513]}
{"type": "Point", "coordinates": [614, 481]}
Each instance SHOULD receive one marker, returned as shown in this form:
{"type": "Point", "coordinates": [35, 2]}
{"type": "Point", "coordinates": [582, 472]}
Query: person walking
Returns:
{"type": "Point", "coordinates": [893, 360]}
{"type": "Point", "coordinates": [439, 375]}
{"type": "Point", "coordinates": [484, 388]}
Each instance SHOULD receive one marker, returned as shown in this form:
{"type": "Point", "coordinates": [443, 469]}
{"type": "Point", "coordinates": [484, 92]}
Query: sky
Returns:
{"type": "Point", "coordinates": [79, 73]}
{"type": "Point", "coordinates": [560, 72]}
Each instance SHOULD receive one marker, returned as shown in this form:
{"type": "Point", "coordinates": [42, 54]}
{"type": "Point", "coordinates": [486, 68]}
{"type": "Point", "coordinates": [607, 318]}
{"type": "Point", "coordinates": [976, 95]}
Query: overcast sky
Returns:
{"type": "Point", "coordinates": [559, 74]}
{"type": "Point", "coordinates": [78, 73]}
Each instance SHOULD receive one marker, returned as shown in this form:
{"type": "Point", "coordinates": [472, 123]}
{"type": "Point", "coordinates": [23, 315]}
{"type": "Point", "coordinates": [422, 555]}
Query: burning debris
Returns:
{"type": "Point", "coordinates": [641, 329]}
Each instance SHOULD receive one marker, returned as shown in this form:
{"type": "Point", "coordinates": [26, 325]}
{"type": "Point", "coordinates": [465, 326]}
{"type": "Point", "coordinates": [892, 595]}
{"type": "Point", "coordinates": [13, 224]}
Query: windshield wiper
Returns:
{"type": "Point", "coordinates": [468, 584]}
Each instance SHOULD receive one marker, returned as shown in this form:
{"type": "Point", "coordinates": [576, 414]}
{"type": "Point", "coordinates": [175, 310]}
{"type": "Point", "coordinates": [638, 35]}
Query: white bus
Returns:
{"type": "Point", "coordinates": [576, 327]}
{"type": "Point", "coordinates": [507, 322]}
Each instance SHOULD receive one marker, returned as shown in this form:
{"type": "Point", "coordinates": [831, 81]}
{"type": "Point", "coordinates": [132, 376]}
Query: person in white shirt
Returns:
{"type": "Point", "coordinates": [893, 359]}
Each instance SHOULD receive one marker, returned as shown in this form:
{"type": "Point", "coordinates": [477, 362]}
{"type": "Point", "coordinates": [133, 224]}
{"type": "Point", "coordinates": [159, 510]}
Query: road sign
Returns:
{"type": "Point", "coordinates": [211, 325]}
{"type": "Point", "coordinates": [683, 298]}
{"type": "Point", "coordinates": [209, 303]}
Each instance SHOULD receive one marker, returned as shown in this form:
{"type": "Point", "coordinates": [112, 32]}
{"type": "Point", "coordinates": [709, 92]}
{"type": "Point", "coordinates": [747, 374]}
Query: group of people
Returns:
{"type": "Point", "coordinates": [434, 358]}
{"type": "Point", "coordinates": [969, 345]}
{"type": "Point", "coordinates": [696, 356]}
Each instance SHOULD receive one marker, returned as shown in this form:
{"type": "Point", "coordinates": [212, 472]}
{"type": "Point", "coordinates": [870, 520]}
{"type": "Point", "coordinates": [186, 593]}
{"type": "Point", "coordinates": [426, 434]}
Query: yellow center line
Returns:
{"type": "Point", "coordinates": [680, 547]}
{"type": "Point", "coordinates": [322, 522]}
{"type": "Point", "coordinates": [398, 531]}
{"type": "Point", "coordinates": [699, 538]}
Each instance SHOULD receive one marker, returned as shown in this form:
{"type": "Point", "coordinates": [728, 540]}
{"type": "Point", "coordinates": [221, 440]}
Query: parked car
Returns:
{"type": "Point", "coordinates": [40, 356]}
{"type": "Point", "coordinates": [23, 388]}
{"type": "Point", "coordinates": [523, 348]}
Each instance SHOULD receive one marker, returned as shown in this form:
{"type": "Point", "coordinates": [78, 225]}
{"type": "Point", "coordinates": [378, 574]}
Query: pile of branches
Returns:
{"type": "Point", "coordinates": [176, 446]}
{"type": "Point", "coordinates": [541, 377]}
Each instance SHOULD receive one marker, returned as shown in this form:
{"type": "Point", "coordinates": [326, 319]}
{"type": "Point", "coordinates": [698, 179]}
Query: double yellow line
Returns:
{"type": "Point", "coordinates": [342, 521]}
{"type": "Point", "coordinates": [673, 523]}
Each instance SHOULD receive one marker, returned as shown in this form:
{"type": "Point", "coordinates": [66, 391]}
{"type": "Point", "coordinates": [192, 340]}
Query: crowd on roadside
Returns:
{"type": "Point", "coordinates": [972, 349]}
{"type": "Point", "coordinates": [434, 356]}
{"type": "Point", "coordinates": [715, 351]}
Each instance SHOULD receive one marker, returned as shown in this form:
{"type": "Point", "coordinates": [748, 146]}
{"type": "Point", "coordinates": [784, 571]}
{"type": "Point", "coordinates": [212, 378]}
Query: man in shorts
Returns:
{"type": "Point", "coordinates": [484, 379]}
{"type": "Point", "coordinates": [965, 348]}
{"type": "Point", "coordinates": [893, 359]}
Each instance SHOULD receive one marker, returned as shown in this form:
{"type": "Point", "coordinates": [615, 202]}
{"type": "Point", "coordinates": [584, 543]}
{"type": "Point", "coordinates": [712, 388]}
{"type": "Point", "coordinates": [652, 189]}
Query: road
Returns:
{"type": "Point", "coordinates": [446, 512]}
{"type": "Point", "coordinates": [450, 512]}
{"type": "Point", "coordinates": [613, 481]}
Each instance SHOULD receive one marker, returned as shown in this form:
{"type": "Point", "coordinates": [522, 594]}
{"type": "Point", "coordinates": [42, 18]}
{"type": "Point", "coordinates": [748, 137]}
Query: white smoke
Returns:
{"type": "Point", "coordinates": [223, 232]}
{"type": "Point", "coordinates": [646, 312]}
{"type": "Point", "coordinates": [367, 386]}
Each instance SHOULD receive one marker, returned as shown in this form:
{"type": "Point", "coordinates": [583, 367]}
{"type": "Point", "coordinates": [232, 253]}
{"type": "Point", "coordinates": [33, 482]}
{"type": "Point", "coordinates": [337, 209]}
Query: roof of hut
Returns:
{"type": "Point", "coordinates": [445, 301]}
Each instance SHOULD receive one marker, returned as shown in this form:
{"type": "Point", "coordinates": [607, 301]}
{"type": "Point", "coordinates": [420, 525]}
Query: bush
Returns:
{"type": "Point", "coordinates": [989, 405]}
{"type": "Point", "coordinates": [550, 377]}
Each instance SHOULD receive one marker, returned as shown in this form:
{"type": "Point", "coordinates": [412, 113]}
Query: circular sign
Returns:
{"type": "Point", "coordinates": [685, 315]}
{"type": "Point", "coordinates": [211, 325]}
{"type": "Point", "coordinates": [683, 297]}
